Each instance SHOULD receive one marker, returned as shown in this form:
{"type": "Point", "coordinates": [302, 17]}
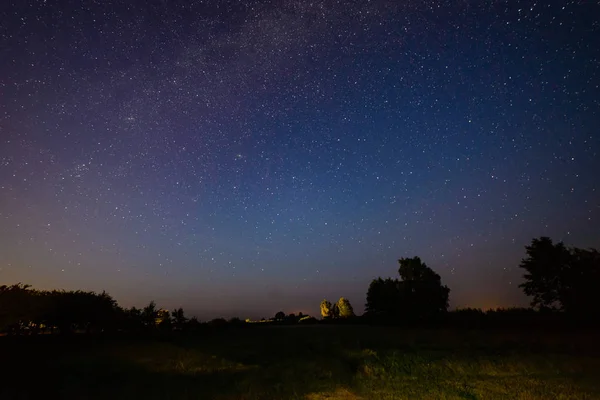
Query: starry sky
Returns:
{"type": "Point", "coordinates": [241, 158]}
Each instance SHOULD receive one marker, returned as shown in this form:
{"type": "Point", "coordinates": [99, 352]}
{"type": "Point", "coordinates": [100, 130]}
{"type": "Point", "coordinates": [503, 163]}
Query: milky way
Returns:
{"type": "Point", "coordinates": [238, 159]}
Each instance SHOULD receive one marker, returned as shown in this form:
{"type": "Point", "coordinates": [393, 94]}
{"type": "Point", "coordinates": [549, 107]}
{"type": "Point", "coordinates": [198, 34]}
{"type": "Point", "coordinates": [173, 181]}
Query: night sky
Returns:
{"type": "Point", "coordinates": [238, 159]}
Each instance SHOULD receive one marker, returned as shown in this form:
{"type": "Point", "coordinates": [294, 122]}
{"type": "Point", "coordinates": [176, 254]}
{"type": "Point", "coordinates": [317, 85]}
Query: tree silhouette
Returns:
{"type": "Point", "coordinates": [163, 320]}
{"type": "Point", "coordinates": [235, 321]}
{"type": "Point", "coordinates": [383, 297]}
{"type": "Point", "coordinates": [133, 319]}
{"type": "Point", "coordinates": [335, 311]}
{"type": "Point", "coordinates": [345, 308]}
{"type": "Point", "coordinates": [418, 294]}
{"type": "Point", "coordinates": [27, 311]}
{"type": "Point", "coordinates": [149, 315]}
{"type": "Point", "coordinates": [423, 288]}
{"type": "Point", "coordinates": [562, 278]}
{"type": "Point", "coordinates": [179, 319]}
{"type": "Point", "coordinates": [280, 316]}
{"type": "Point", "coordinates": [19, 305]}
{"type": "Point", "coordinates": [193, 323]}
{"type": "Point", "coordinates": [79, 311]}
{"type": "Point", "coordinates": [217, 323]}
{"type": "Point", "coordinates": [326, 309]}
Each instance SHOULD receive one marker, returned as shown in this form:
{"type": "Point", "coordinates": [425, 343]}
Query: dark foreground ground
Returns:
{"type": "Point", "coordinates": [310, 362]}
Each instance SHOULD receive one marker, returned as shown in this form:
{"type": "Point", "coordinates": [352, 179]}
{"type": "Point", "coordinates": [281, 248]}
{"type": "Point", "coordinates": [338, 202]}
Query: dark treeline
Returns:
{"type": "Point", "coordinates": [27, 311]}
{"type": "Point", "coordinates": [562, 282]}
{"type": "Point", "coordinates": [24, 310]}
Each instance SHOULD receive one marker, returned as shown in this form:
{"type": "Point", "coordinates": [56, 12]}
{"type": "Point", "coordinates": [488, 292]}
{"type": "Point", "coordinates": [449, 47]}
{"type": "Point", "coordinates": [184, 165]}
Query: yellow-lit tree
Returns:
{"type": "Point", "coordinates": [326, 309]}
{"type": "Point", "coordinates": [345, 308]}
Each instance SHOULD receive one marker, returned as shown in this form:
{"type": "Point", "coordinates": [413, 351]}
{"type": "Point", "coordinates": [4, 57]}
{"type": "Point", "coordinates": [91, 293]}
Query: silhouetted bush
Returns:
{"type": "Point", "coordinates": [218, 323]}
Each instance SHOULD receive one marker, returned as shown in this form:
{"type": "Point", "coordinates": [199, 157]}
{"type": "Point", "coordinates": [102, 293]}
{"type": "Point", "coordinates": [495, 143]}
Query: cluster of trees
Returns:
{"type": "Point", "coordinates": [153, 318]}
{"type": "Point", "coordinates": [560, 280]}
{"type": "Point", "coordinates": [341, 309]}
{"type": "Point", "coordinates": [26, 310]}
{"type": "Point", "coordinates": [418, 294]}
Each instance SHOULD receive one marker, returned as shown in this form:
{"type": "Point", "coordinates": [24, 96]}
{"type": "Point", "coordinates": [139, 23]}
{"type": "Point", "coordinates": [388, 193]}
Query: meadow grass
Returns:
{"type": "Point", "coordinates": [310, 362]}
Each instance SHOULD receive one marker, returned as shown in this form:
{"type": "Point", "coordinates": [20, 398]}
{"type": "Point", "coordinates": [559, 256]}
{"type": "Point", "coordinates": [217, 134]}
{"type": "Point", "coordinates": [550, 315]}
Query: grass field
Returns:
{"type": "Point", "coordinates": [306, 362]}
